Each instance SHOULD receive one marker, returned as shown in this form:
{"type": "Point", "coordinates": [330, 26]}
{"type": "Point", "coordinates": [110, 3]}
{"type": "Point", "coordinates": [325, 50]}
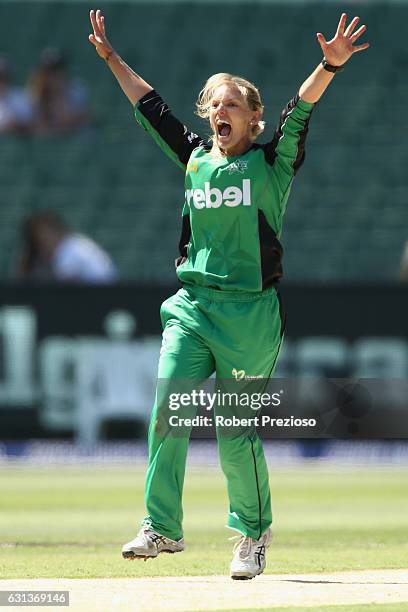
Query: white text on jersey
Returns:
{"type": "Point", "coordinates": [214, 197]}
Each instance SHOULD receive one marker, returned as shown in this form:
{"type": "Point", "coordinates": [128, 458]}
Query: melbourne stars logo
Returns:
{"type": "Point", "coordinates": [238, 166]}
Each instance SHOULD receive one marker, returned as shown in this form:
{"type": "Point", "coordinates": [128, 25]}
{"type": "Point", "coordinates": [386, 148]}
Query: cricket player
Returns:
{"type": "Point", "coordinates": [227, 316]}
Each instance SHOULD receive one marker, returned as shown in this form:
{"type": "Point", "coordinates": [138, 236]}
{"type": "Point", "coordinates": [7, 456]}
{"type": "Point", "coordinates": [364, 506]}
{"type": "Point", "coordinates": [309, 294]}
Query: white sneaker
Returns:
{"type": "Point", "coordinates": [148, 544]}
{"type": "Point", "coordinates": [249, 557]}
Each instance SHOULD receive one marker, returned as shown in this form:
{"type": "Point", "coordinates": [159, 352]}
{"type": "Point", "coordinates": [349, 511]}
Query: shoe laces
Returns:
{"type": "Point", "coordinates": [152, 537]}
{"type": "Point", "coordinates": [244, 546]}
{"type": "Point", "coordinates": [144, 533]}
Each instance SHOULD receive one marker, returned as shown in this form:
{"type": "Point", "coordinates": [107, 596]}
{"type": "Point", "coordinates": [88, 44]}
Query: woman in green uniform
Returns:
{"type": "Point", "coordinates": [227, 316]}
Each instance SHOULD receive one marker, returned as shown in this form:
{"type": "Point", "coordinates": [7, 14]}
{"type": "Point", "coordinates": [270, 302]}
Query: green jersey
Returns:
{"type": "Point", "coordinates": [233, 209]}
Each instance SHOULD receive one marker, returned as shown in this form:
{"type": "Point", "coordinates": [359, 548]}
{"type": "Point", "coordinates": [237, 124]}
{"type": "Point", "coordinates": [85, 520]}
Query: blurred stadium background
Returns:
{"type": "Point", "coordinates": [80, 362]}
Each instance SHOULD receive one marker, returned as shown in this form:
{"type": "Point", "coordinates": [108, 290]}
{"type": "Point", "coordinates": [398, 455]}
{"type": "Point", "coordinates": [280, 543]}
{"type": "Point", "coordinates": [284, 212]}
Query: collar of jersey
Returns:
{"type": "Point", "coordinates": [231, 158]}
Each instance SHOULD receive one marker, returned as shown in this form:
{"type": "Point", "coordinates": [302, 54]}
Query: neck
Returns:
{"type": "Point", "coordinates": [239, 149]}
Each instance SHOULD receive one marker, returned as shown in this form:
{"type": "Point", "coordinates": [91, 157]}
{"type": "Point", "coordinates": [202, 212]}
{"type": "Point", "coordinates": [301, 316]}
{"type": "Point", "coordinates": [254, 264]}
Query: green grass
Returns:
{"type": "Point", "coordinates": [71, 523]}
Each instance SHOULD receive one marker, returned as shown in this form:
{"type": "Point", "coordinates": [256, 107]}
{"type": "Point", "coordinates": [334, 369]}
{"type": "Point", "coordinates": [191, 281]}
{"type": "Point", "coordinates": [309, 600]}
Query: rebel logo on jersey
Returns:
{"type": "Point", "coordinates": [212, 197]}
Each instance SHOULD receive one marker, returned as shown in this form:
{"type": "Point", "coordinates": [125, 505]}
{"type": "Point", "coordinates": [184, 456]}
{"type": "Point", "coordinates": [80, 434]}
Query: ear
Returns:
{"type": "Point", "coordinates": [255, 117]}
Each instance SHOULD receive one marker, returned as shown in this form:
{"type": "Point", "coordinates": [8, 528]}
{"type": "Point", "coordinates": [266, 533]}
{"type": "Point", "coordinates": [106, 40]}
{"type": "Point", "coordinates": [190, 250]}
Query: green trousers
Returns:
{"type": "Point", "coordinates": [233, 334]}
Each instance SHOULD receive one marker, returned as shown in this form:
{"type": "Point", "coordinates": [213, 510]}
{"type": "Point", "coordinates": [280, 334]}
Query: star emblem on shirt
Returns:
{"type": "Point", "coordinates": [238, 166]}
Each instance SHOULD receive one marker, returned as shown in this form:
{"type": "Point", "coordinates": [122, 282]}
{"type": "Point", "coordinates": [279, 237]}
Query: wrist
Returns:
{"type": "Point", "coordinates": [109, 56]}
{"type": "Point", "coordinates": [330, 67]}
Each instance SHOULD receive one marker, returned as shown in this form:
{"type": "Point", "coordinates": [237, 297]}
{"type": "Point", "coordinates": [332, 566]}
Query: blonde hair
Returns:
{"type": "Point", "coordinates": [247, 89]}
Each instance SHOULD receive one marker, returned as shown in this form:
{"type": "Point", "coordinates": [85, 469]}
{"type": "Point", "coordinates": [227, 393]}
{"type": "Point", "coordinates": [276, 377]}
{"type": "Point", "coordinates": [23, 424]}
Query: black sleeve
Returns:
{"type": "Point", "coordinates": [174, 138]}
{"type": "Point", "coordinates": [287, 147]}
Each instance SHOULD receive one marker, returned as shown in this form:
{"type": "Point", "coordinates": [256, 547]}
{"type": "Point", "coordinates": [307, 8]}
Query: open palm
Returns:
{"type": "Point", "coordinates": [340, 48]}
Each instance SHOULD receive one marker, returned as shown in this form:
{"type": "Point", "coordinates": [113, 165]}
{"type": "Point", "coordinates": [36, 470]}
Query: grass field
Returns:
{"type": "Point", "coordinates": [71, 523]}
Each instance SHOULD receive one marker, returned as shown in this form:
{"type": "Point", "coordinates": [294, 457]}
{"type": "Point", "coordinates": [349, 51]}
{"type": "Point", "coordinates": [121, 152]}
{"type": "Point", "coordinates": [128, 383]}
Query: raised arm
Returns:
{"type": "Point", "coordinates": [151, 111]}
{"type": "Point", "coordinates": [336, 52]}
{"type": "Point", "coordinates": [131, 83]}
{"type": "Point", "coordinates": [286, 152]}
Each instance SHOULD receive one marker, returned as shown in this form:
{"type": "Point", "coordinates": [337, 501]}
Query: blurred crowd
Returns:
{"type": "Point", "coordinates": [52, 103]}
{"type": "Point", "coordinates": [52, 251]}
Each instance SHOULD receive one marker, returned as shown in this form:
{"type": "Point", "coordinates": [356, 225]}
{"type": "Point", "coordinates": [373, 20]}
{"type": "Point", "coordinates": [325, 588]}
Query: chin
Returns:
{"type": "Point", "coordinates": [229, 144]}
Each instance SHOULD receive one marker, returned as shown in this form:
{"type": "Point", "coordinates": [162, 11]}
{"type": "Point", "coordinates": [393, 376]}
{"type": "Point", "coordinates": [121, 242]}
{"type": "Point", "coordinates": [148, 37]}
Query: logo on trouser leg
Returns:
{"type": "Point", "coordinates": [240, 375]}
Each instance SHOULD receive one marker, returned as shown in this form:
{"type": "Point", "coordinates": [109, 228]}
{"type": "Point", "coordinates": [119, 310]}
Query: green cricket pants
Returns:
{"type": "Point", "coordinates": [207, 330]}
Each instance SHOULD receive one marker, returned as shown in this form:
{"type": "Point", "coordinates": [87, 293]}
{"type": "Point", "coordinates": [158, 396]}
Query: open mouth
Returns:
{"type": "Point", "coordinates": [224, 129]}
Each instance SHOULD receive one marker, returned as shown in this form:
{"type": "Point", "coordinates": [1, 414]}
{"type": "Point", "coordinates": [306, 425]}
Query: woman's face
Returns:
{"type": "Point", "coordinates": [231, 119]}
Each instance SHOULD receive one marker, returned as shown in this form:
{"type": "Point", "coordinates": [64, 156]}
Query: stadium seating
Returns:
{"type": "Point", "coordinates": [345, 218]}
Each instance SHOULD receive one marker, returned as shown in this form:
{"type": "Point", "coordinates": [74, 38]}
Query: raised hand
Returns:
{"type": "Point", "coordinates": [102, 45]}
{"type": "Point", "coordinates": [340, 48]}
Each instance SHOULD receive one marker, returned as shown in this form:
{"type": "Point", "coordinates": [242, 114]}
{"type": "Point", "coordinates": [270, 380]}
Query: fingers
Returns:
{"type": "Point", "coordinates": [342, 24]}
{"type": "Point", "coordinates": [357, 34]}
{"type": "Point", "coordinates": [100, 21]}
{"type": "Point", "coordinates": [97, 23]}
{"type": "Point", "coordinates": [321, 39]}
{"type": "Point", "coordinates": [351, 26]}
{"type": "Point", "coordinates": [93, 21]}
{"type": "Point", "coordinates": [96, 41]}
{"type": "Point", "coordinates": [361, 47]}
